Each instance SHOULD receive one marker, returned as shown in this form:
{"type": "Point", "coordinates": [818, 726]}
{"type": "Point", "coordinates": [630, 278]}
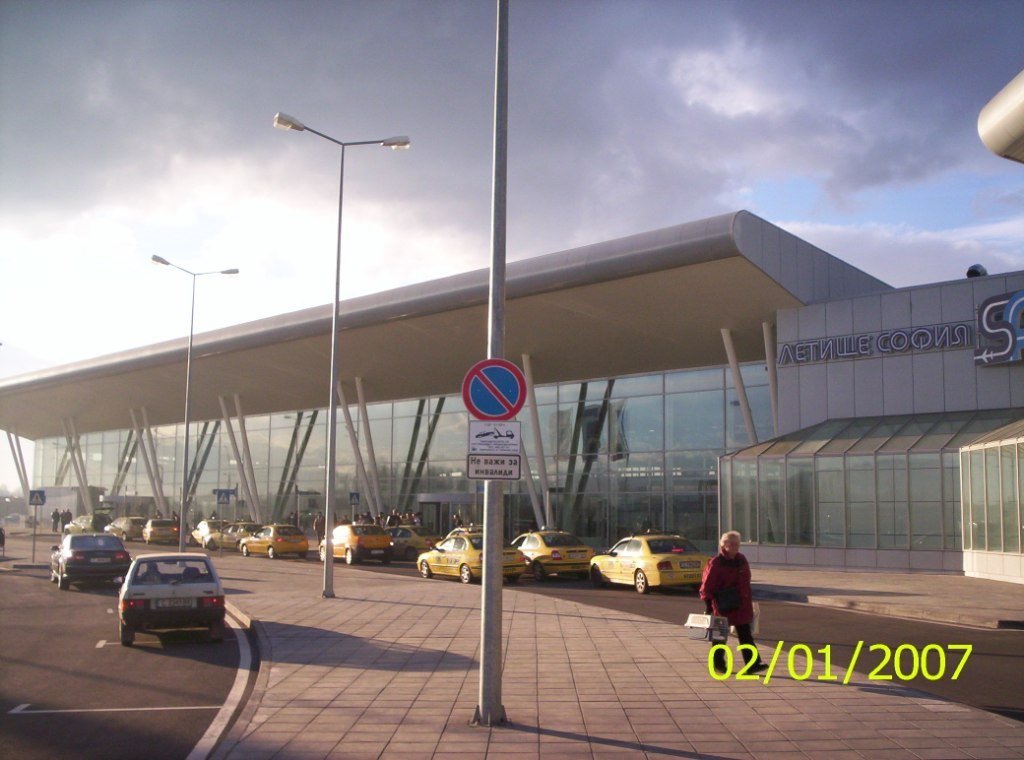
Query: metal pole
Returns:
{"type": "Point", "coordinates": [489, 711]}
{"type": "Point", "coordinates": [188, 382]}
{"type": "Point", "coordinates": [332, 407]}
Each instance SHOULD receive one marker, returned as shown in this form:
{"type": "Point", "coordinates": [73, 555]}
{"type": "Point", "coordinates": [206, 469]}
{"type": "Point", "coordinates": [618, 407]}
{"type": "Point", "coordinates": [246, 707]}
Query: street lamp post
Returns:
{"type": "Point", "coordinates": [188, 389]}
{"type": "Point", "coordinates": [284, 121]}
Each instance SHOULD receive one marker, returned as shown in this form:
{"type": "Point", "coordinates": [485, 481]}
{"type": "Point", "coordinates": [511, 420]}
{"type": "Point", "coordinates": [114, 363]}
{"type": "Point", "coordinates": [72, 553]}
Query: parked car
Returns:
{"type": "Point", "coordinates": [127, 528]}
{"type": "Point", "coordinates": [554, 552]}
{"type": "Point", "coordinates": [462, 557]}
{"type": "Point", "coordinates": [275, 541]}
{"type": "Point", "coordinates": [409, 541]}
{"type": "Point", "coordinates": [207, 533]}
{"type": "Point", "coordinates": [168, 592]}
{"type": "Point", "coordinates": [94, 523]}
{"type": "Point", "coordinates": [161, 531]}
{"type": "Point", "coordinates": [357, 543]}
{"type": "Point", "coordinates": [233, 533]}
{"type": "Point", "coordinates": [650, 561]}
{"type": "Point", "coordinates": [84, 557]}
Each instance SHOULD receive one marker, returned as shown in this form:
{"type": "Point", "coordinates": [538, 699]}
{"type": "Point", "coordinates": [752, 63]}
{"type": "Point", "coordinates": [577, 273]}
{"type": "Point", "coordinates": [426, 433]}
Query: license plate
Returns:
{"type": "Point", "coordinates": [689, 565]}
{"type": "Point", "coordinates": [577, 555]}
{"type": "Point", "coordinates": [376, 551]}
{"type": "Point", "coordinates": [177, 602]}
{"type": "Point", "coordinates": [100, 560]}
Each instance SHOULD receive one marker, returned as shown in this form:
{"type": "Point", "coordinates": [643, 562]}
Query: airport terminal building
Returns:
{"type": "Point", "coordinates": [719, 374]}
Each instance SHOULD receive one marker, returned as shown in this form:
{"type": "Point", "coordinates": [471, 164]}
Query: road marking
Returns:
{"type": "Point", "coordinates": [220, 722]}
{"type": "Point", "coordinates": [23, 709]}
{"type": "Point", "coordinates": [101, 643]}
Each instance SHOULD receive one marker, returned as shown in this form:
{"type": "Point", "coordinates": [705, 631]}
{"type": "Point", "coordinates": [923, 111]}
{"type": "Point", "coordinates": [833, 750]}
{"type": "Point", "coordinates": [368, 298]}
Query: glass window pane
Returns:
{"type": "Point", "coordinates": [695, 380]}
{"type": "Point", "coordinates": [770, 505]}
{"type": "Point", "coordinates": [993, 510]}
{"type": "Point", "coordinates": [695, 420]}
{"type": "Point", "coordinates": [800, 500]}
{"type": "Point", "coordinates": [831, 501]}
{"type": "Point", "coordinates": [1008, 470]}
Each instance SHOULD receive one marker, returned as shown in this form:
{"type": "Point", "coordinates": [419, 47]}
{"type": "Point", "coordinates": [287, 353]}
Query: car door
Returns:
{"type": "Point", "coordinates": [439, 558]}
{"type": "Point", "coordinates": [609, 564]}
{"type": "Point", "coordinates": [260, 541]}
{"type": "Point", "coordinates": [627, 560]}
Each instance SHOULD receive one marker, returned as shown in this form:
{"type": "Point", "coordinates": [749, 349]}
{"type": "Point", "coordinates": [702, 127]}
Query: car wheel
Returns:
{"type": "Point", "coordinates": [127, 634]}
{"type": "Point", "coordinates": [511, 579]}
{"type": "Point", "coordinates": [271, 554]}
{"type": "Point", "coordinates": [124, 536]}
{"type": "Point", "coordinates": [597, 577]}
{"type": "Point", "coordinates": [245, 550]}
{"type": "Point", "coordinates": [323, 553]}
{"type": "Point", "coordinates": [425, 570]}
{"type": "Point", "coordinates": [539, 573]}
{"type": "Point", "coordinates": [640, 582]}
{"type": "Point", "coordinates": [216, 632]}
{"type": "Point", "coordinates": [350, 557]}
{"type": "Point", "coordinates": [62, 583]}
{"type": "Point", "coordinates": [465, 574]}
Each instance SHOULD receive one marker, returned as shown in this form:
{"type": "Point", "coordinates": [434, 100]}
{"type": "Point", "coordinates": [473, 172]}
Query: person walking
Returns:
{"type": "Point", "coordinates": [55, 518]}
{"type": "Point", "coordinates": [725, 589]}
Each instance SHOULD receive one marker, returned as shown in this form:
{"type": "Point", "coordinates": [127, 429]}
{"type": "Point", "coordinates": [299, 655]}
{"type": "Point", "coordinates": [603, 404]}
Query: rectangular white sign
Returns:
{"type": "Point", "coordinates": [486, 437]}
{"type": "Point", "coordinates": [488, 467]}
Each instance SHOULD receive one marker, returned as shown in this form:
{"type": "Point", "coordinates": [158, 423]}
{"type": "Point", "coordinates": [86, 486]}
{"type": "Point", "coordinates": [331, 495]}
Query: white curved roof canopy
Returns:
{"type": "Point", "coordinates": [1001, 121]}
{"type": "Point", "coordinates": [649, 302]}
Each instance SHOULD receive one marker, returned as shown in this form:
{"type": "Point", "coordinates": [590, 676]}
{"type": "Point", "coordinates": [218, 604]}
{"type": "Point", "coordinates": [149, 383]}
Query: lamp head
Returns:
{"type": "Point", "coordinates": [397, 143]}
{"type": "Point", "coordinates": [229, 271]}
{"type": "Point", "coordinates": [284, 121]}
{"type": "Point", "coordinates": [160, 260]}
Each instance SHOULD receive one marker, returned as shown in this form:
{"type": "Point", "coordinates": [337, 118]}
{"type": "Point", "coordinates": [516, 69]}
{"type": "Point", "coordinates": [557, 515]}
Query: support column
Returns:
{"type": "Point", "coordinates": [148, 449]}
{"type": "Point", "coordinates": [254, 490]}
{"type": "Point", "coordinates": [538, 444]}
{"type": "Point", "coordinates": [737, 382]}
{"type": "Point", "coordinates": [19, 462]}
{"type": "Point", "coordinates": [243, 476]}
{"type": "Point", "coordinates": [368, 437]}
{"type": "Point", "coordinates": [773, 373]}
{"type": "Point", "coordinates": [77, 462]}
{"type": "Point", "coordinates": [538, 514]}
{"type": "Point", "coordinates": [360, 469]}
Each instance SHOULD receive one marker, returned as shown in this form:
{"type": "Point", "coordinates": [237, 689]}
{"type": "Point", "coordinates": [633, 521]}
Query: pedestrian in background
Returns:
{"type": "Point", "coordinates": [726, 592]}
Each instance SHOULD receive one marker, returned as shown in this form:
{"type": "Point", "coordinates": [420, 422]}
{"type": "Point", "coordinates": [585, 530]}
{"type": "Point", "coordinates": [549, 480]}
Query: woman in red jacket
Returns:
{"type": "Point", "coordinates": [725, 590]}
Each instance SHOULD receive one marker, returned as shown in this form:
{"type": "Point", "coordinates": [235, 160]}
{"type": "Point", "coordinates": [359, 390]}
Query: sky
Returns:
{"type": "Point", "coordinates": [133, 129]}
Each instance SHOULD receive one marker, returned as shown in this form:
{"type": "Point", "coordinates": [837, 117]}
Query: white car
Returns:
{"type": "Point", "coordinates": [171, 591]}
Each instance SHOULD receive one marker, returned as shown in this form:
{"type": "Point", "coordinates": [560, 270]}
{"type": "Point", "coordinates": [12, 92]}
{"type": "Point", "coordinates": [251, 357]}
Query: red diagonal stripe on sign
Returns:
{"type": "Point", "coordinates": [479, 375]}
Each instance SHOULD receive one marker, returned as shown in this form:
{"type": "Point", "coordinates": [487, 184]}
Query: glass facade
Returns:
{"type": "Point", "coordinates": [880, 483]}
{"type": "Point", "coordinates": [993, 491]}
{"type": "Point", "coordinates": [622, 454]}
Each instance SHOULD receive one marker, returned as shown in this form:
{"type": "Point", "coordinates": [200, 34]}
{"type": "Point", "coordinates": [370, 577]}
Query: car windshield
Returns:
{"type": "Point", "coordinates": [477, 541]}
{"type": "Point", "coordinates": [173, 571]}
{"type": "Point", "coordinates": [562, 539]}
{"type": "Point", "coordinates": [671, 546]}
{"type": "Point", "coordinates": [96, 542]}
{"type": "Point", "coordinates": [289, 530]}
{"type": "Point", "coordinates": [162, 523]}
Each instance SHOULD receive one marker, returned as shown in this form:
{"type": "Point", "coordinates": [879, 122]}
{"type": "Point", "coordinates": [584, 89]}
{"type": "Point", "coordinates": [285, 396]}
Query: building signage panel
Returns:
{"type": "Point", "coordinates": [1001, 329]}
{"type": "Point", "coordinates": [882, 343]}
{"type": "Point", "coordinates": [484, 467]}
{"type": "Point", "coordinates": [494, 437]}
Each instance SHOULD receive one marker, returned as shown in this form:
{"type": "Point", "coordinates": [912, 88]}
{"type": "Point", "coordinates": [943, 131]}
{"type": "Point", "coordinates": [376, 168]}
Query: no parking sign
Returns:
{"type": "Point", "coordinates": [494, 389]}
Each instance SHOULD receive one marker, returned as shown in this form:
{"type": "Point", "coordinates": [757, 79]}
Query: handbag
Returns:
{"type": "Point", "coordinates": [727, 599]}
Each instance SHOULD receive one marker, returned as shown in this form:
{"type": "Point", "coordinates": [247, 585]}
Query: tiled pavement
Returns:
{"type": "Point", "coordinates": [388, 669]}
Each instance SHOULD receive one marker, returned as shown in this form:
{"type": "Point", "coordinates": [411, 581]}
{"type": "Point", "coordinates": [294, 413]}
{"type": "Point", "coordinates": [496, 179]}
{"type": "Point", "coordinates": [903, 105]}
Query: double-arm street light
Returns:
{"type": "Point", "coordinates": [284, 121]}
{"type": "Point", "coordinates": [188, 382]}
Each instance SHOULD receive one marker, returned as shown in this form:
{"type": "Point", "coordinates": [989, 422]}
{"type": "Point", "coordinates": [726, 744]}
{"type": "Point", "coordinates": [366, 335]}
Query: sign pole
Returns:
{"type": "Point", "coordinates": [489, 711]}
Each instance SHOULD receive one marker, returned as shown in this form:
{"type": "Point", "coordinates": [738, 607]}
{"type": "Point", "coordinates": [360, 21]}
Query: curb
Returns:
{"type": "Point", "coordinates": [234, 735]}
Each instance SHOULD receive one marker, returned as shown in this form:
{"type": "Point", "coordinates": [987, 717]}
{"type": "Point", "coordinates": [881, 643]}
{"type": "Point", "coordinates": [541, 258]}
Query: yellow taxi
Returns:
{"type": "Point", "coordinates": [554, 552]}
{"type": "Point", "coordinates": [409, 541]}
{"type": "Point", "coordinates": [357, 543]}
{"type": "Point", "coordinates": [462, 556]}
{"type": "Point", "coordinates": [650, 561]}
{"type": "Point", "coordinates": [275, 541]}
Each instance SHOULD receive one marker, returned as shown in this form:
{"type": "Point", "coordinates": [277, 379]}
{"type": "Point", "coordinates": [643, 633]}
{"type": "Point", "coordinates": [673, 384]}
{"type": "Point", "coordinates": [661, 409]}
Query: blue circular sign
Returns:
{"type": "Point", "coordinates": [494, 389]}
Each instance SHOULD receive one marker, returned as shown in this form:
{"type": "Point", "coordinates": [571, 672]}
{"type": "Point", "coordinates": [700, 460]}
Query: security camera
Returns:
{"type": "Point", "coordinates": [976, 270]}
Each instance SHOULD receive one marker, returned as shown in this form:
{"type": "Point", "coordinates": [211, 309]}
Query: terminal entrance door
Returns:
{"type": "Point", "coordinates": [439, 510]}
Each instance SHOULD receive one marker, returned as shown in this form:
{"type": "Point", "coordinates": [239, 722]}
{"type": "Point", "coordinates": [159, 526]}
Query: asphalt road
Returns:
{"type": "Point", "coordinates": [69, 689]}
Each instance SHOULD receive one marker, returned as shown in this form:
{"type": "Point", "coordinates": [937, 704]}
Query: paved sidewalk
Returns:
{"type": "Point", "coordinates": [388, 669]}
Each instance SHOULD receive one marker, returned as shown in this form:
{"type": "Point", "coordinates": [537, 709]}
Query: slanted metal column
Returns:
{"type": "Point", "coordinates": [773, 374]}
{"type": "Point", "coordinates": [368, 437]}
{"type": "Point", "coordinates": [243, 475]}
{"type": "Point", "coordinates": [737, 381]}
{"type": "Point", "coordinates": [77, 462]}
{"type": "Point", "coordinates": [360, 469]}
{"type": "Point", "coordinates": [538, 443]}
{"type": "Point", "coordinates": [538, 515]}
{"type": "Point", "coordinates": [19, 463]}
{"type": "Point", "coordinates": [254, 489]}
{"type": "Point", "coordinates": [148, 449]}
